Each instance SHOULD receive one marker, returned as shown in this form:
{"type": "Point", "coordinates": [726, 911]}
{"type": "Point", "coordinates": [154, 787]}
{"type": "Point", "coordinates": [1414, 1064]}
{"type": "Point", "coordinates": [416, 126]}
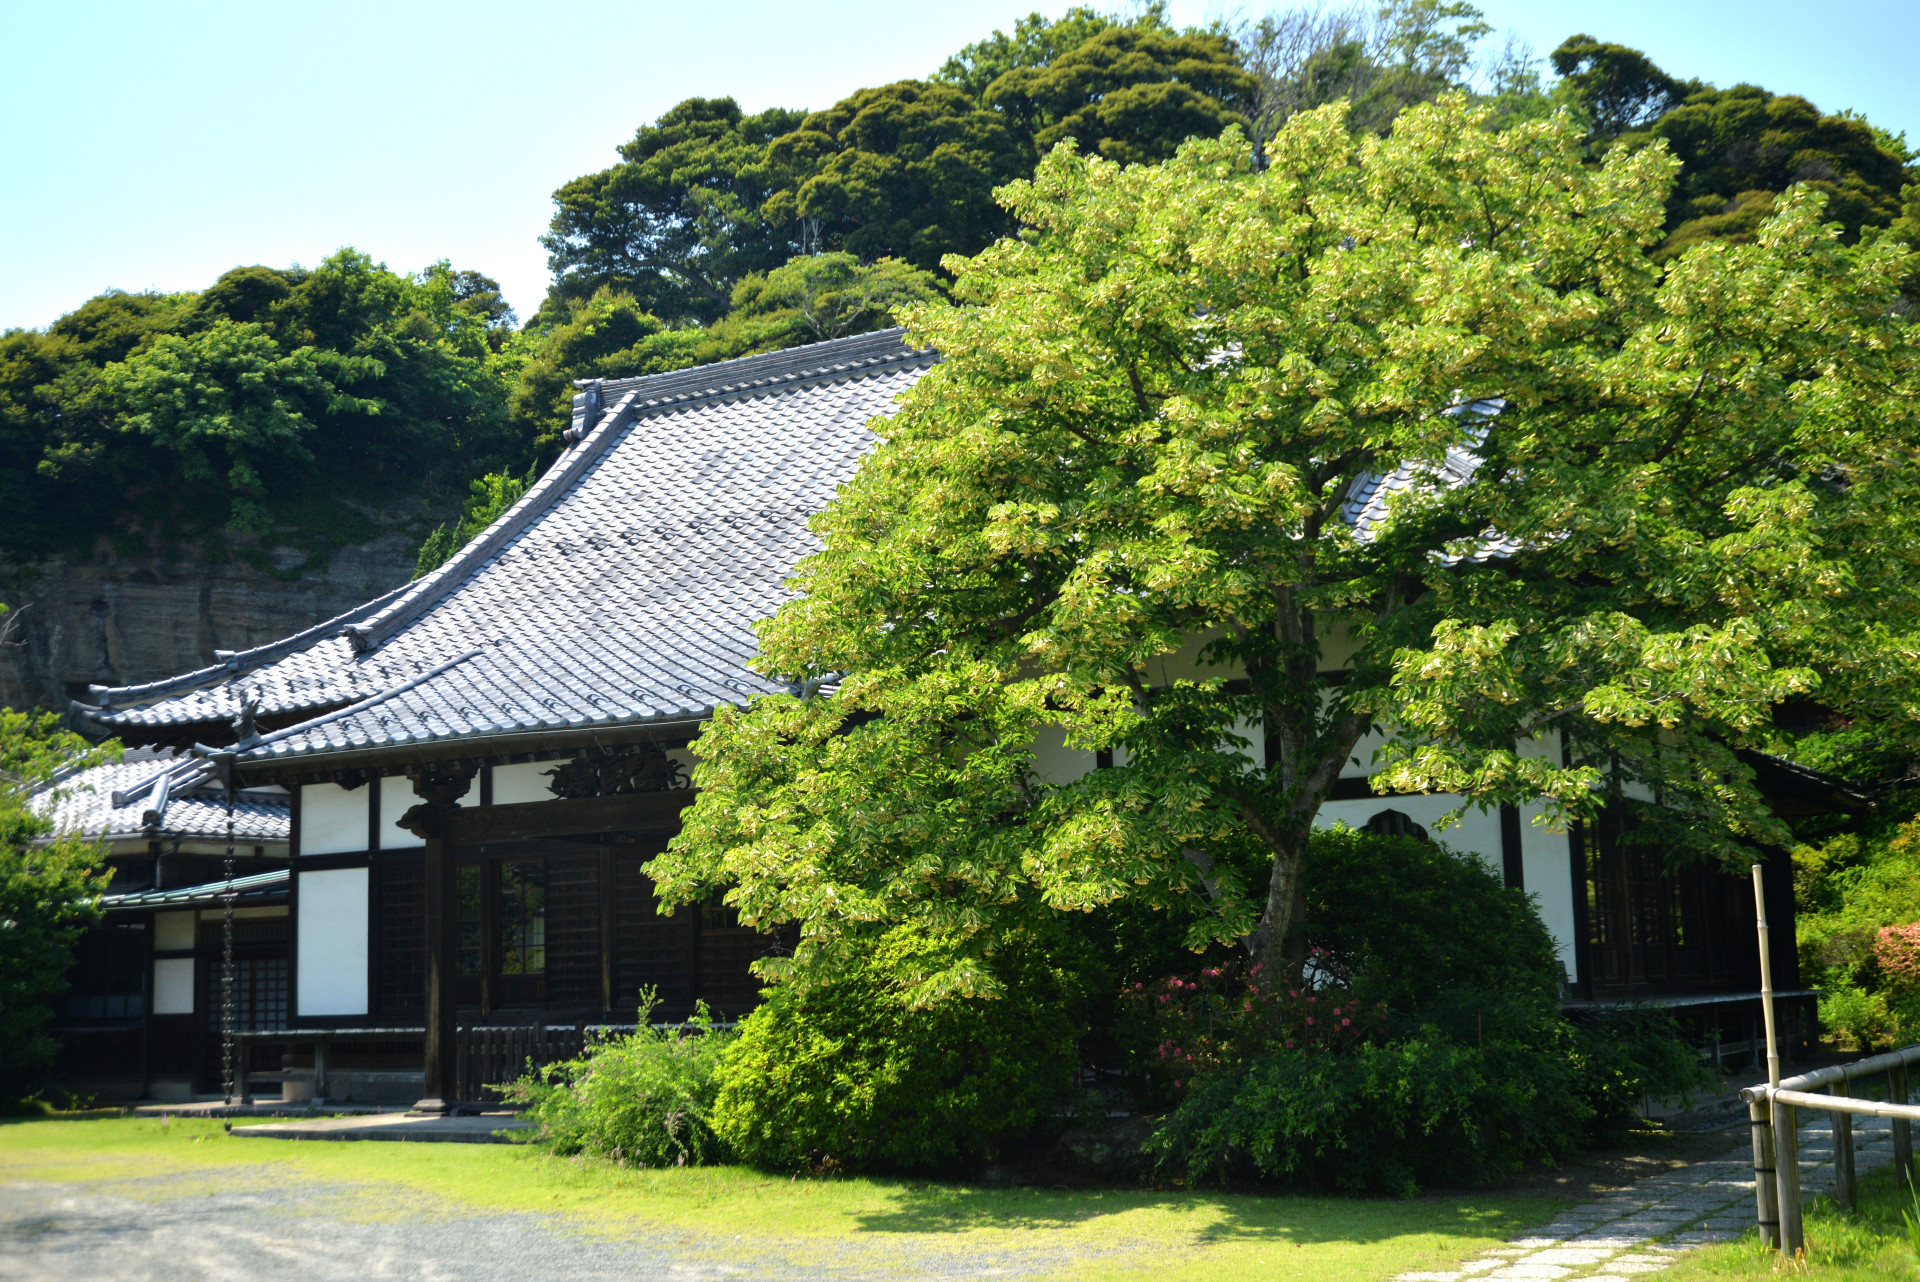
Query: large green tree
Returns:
{"type": "Point", "coordinates": [255, 406]}
{"type": "Point", "coordinates": [1130, 94]}
{"type": "Point", "coordinates": [678, 222]}
{"type": "Point", "coordinates": [905, 171]}
{"type": "Point", "coordinates": [1154, 411]}
{"type": "Point", "coordinates": [1620, 88]}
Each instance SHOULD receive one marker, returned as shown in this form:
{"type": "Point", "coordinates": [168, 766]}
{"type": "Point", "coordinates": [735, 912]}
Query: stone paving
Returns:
{"type": "Point", "coordinates": [1638, 1231]}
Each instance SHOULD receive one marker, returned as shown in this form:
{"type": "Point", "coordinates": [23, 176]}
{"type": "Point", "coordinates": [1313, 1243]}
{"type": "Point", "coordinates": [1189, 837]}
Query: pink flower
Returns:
{"type": "Point", "coordinates": [1345, 1022]}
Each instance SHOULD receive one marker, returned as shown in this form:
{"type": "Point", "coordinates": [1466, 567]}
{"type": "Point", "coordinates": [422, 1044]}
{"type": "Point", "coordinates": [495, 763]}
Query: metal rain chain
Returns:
{"type": "Point", "coordinates": [227, 896]}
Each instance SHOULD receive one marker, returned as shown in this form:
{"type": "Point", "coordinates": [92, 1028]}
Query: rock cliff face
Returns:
{"type": "Point", "coordinates": [114, 621]}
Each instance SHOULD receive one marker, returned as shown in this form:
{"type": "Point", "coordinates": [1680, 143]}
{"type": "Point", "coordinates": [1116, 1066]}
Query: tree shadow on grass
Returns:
{"type": "Point", "coordinates": [1207, 1217]}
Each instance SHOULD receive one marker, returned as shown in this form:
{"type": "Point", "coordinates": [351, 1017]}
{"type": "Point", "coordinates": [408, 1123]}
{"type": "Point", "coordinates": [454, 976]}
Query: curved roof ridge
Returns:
{"type": "Point", "coordinates": [785, 363]}
{"type": "Point", "coordinates": [424, 592]}
{"type": "Point", "coordinates": [268, 740]}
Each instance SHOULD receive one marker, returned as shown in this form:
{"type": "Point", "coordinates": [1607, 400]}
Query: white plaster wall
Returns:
{"type": "Point", "coordinates": [173, 932]}
{"type": "Point", "coordinates": [1056, 763]}
{"type": "Point", "coordinates": [1546, 871]}
{"type": "Point", "coordinates": [333, 821]}
{"type": "Point", "coordinates": [1360, 764]}
{"type": "Point", "coordinates": [1477, 832]}
{"type": "Point", "coordinates": [332, 967]}
{"type": "Point", "coordinates": [396, 798]}
{"type": "Point", "coordinates": [524, 781]}
{"type": "Point", "coordinates": [173, 985]}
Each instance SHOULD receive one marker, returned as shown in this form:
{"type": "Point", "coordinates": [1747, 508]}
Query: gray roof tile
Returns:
{"type": "Point", "coordinates": [83, 802]}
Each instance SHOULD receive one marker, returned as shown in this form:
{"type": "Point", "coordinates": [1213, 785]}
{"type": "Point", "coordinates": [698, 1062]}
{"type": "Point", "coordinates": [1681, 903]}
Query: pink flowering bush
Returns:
{"type": "Point", "coordinates": [1897, 949]}
{"type": "Point", "coordinates": [1225, 1015]}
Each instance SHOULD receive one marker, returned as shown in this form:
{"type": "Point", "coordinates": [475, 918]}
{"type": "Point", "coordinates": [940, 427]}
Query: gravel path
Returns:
{"type": "Point", "coordinates": [1639, 1230]}
{"type": "Point", "coordinates": [182, 1228]}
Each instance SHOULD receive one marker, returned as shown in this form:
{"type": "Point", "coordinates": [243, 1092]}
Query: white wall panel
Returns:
{"type": "Point", "coordinates": [1546, 870]}
{"type": "Point", "coordinates": [173, 986]}
{"type": "Point", "coordinates": [396, 798]}
{"type": "Point", "coordinates": [333, 821]}
{"type": "Point", "coordinates": [332, 968]}
{"type": "Point", "coordinates": [1054, 761]}
{"type": "Point", "coordinates": [526, 781]}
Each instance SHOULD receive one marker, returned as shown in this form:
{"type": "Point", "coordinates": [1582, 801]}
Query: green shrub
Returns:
{"type": "Point", "coordinates": [1854, 894]}
{"type": "Point", "coordinates": [642, 1100]}
{"type": "Point", "coordinates": [1625, 1054]}
{"type": "Point", "coordinates": [1404, 920]}
{"type": "Point", "coordinates": [49, 889]}
{"type": "Point", "coordinates": [852, 1076]}
{"type": "Point", "coordinates": [1389, 1116]}
{"type": "Point", "coordinates": [1457, 1065]}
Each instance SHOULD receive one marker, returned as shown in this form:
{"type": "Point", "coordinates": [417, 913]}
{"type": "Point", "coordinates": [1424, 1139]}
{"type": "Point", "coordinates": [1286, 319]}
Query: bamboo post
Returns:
{"type": "Point", "coordinates": [1766, 979]}
{"type": "Point", "coordinates": [1775, 1160]}
{"type": "Point", "coordinates": [1765, 1207]}
{"type": "Point", "coordinates": [1902, 1128]}
{"type": "Point", "coordinates": [1843, 1183]}
{"type": "Point", "coordinates": [1786, 1151]}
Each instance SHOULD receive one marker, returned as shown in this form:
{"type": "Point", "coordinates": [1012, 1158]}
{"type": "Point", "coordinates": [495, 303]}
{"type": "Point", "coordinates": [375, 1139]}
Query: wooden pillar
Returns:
{"type": "Point", "coordinates": [439, 792]}
{"type": "Point", "coordinates": [606, 929]}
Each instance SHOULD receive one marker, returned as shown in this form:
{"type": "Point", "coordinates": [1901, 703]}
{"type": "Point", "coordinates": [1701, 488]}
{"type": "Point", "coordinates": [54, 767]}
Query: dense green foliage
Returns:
{"type": "Point", "coordinates": [1429, 1050]}
{"type": "Point", "coordinates": [1131, 94]}
{"type": "Point", "coordinates": [1037, 42]}
{"type": "Point", "coordinates": [644, 1099]}
{"type": "Point", "coordinates": [862, 1074]}
{"type": "Point", "coordinates": [1858, 929]}
{"type": "Point", "coordinates": [258, 406]}
{"type": "Point", "coordinates": [487, 500]}
{"type": "Point", "coordinates": [49, 885]}
{"type": "Point", "coordinates": [1741, 148]}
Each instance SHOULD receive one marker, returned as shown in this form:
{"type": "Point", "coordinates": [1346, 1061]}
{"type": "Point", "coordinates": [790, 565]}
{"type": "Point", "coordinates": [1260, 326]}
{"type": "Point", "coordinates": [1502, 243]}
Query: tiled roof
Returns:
{"type": "Point", "coordinates": [622, 589]}
{"type": "Point", "coordinates": [1370, 498]}
{"type": "Point", "coordinates": [261, 885]}
{"type": "Point", "coordinates": [111, 802]}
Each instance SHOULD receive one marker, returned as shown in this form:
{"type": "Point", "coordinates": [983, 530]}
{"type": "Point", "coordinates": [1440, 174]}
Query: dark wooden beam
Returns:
{"type": "Point", "coordinates": [632, 812]}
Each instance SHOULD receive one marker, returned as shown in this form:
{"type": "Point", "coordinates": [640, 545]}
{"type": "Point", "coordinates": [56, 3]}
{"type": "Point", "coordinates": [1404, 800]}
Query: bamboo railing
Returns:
{"type": "Point", "coordinates": [1772, 1114]}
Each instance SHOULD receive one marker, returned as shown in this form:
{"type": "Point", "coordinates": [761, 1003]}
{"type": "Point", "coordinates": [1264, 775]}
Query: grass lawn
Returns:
{"type": "Point", "coordinates": [1868, 1243]}
{"type": "Point", "coordinates": [1081, 1235]}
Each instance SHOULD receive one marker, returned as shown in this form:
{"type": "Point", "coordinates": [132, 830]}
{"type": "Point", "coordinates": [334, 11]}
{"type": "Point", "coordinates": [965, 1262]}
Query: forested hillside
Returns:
{"type": "Point", "coordinates": [282, 415]}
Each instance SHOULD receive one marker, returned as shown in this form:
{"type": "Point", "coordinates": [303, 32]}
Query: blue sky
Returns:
{"type": "Point", "coordinates": [156, 145]}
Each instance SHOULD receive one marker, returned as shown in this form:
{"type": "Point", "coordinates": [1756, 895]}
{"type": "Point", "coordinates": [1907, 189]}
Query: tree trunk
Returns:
{"type": "Point", "coordinates": [1274, 939]}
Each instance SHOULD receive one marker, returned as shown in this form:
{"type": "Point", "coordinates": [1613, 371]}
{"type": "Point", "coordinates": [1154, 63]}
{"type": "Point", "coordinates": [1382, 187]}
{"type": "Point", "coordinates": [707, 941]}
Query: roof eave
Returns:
{"type": "Point", "coordinates": [464, 748]}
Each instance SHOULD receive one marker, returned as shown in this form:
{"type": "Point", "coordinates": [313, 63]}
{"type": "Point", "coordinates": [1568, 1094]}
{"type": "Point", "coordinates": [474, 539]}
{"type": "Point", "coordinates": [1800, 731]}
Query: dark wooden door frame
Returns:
{"type": "Point", "coordinates": [479, 825]}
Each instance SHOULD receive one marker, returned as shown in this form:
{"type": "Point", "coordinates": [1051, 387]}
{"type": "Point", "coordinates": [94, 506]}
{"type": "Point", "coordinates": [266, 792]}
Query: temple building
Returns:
{"type": "Point", "coordinates": [476, 767]}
